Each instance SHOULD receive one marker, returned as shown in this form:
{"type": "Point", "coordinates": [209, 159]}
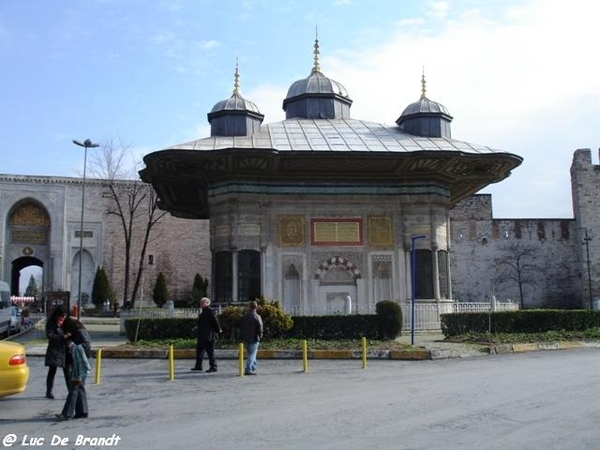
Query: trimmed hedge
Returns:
{"type": "Point", "coordinates": [524, 321]}
{"type": "Point", "coordinates": [162, 328]}
{"type": "Point", "coordinates": [335, 327]}
{"type": "Point", "coordinates": [305, 327]}
{"type": "Point", "coordinates": [386, 324]}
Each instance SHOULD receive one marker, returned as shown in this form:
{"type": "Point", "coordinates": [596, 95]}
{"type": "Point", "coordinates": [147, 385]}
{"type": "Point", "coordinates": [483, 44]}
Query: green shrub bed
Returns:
{"type": "Point", "coordinates": [385, 325]}
{"type": "Point", "coordinates": [525, 321]}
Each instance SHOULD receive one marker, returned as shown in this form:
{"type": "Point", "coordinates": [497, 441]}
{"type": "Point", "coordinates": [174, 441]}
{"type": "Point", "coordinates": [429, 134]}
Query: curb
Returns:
{"type": "Point", "coordinates": [420, 354]}
{"type": "Point", "coordinates": [128, 353]}
{"type": "Point", "coordinates": [537, 347]}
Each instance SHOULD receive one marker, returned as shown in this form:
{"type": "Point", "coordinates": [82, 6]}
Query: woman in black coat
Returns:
{"type": "Point", "coordinates": [56, 353]}
{"type": "Point", "coordinates": [80, 349]}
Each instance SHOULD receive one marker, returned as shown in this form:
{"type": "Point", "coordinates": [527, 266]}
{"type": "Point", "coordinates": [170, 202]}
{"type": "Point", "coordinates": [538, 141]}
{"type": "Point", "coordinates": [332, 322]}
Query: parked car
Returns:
{"type": "Point", "coordinates": [14, 372]}
{"type": "Point", "coordinates": [15, 321]}
{"type": "Point", "coordinates": [5, 309]}
{"type": "Point", "coordinates": [19, 320]}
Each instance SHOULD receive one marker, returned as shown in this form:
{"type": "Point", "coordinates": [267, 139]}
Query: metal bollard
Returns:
{"type": "Point", "coordinates": [171, 364]}
{"type": "Point", "coordinates": [98, 366]}
{"type": "Point", "coordinates": [241, 359]}
{"type": "Point", "coordinates": [364, 352]}
{"type": "Point", "coordinates": [305, 356]}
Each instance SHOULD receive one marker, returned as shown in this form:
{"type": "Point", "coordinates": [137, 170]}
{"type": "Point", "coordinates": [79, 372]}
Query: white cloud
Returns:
{"type": "Point", "coordinates": [208, 45]}
{"type": "Point", "coordinates": [439, 9]}
{"type": "Point", "coordinates": [509, 77]}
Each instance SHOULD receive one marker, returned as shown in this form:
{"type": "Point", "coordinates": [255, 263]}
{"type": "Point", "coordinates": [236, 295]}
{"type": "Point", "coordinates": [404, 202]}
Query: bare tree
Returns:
{"type": "Point", "coordinates": [515, 267]}
{"type": "Point", "coordinates": [153, 216]}
{"type": "Point", "coordinates": [131, 201]}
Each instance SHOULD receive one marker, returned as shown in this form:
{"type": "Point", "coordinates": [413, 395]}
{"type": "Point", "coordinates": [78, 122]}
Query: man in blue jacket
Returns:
{"type": "Point", "coordinates": [208, 330]}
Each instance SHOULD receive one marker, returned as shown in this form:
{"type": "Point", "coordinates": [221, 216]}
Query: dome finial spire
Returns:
{"type": "Point", "coordinates": [316, 67]}
{"type": "Point", "coordinates": [423, 82]}
{"type": "Point", "coordinates": [236, 78]}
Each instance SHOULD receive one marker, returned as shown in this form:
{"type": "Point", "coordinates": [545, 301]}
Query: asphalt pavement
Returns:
{"type": "Point", "coordinates": [534, 401]}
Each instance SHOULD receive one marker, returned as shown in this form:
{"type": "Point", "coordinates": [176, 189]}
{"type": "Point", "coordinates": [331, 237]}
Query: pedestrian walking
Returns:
{"type": "Point", "coordinates": [79, 345]}
{"type": "Point", "coordinates": [207, 331]}
{"type": "Point", "coordinates": [56, 352]}
{"type": "Point", "coordinates": [252, 331]}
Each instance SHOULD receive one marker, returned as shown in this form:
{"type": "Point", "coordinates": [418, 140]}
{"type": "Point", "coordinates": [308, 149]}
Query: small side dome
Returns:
{"type": "Point", "coordinates": [425, 117]}
{"type": "Point", "coordinates": [235, 116]}
{"type": "Point", "coordinates": [235, 103]}
{"type": "Point", "coordinates": [423, 106]}
{"type": "Point", "coordinates": [316, 96]}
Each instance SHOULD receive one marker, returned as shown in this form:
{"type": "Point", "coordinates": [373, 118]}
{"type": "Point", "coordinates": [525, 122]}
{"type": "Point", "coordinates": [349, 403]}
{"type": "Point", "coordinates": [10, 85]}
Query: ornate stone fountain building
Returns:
{"type": "Point", "coordinates": [321, 210]}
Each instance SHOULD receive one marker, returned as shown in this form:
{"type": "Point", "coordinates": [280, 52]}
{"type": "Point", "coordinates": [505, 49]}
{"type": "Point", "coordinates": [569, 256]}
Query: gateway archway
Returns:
{"type": "Point", "coordinates": [17, 266]}
{"type": "Point", "coordinates": [27, 240]}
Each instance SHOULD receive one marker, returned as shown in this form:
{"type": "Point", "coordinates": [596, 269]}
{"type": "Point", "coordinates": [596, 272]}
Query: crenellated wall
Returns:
{"type": "Point", "coordinates": [545, 250]}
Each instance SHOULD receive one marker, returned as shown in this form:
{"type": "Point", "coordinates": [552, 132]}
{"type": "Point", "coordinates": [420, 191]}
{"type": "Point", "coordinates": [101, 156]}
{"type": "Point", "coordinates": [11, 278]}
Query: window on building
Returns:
{"type": "Point", "coordinates": [249, 275]}
{"type": "Point", "coordinates": [424, 274]}
{"type": "Point", "coordinates": [444, 275]}
{"type": "Point", "coordinates": [223, 278]}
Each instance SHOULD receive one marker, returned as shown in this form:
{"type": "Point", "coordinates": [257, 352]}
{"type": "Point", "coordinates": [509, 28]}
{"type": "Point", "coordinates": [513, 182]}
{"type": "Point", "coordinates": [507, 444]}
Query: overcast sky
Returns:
{"type": "Point", "coordinates": [518, 76]}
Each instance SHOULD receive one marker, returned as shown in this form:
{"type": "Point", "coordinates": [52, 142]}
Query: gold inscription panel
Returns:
{"type": "Point", "coordinates": [29, 237]}
{"type": "Point", "coordinates": [336, 232]}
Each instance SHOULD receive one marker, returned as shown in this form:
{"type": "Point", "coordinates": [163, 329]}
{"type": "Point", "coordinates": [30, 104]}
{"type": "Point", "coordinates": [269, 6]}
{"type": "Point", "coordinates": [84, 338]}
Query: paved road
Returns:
{"type": "Point", "coordinates": [534, 401]}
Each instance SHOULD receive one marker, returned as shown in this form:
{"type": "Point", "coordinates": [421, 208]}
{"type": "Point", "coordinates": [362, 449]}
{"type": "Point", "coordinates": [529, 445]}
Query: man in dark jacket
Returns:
{"type": "Point", "coordinates": [208, 330]}
{"type": "Point", "coordinates": [252, 331]}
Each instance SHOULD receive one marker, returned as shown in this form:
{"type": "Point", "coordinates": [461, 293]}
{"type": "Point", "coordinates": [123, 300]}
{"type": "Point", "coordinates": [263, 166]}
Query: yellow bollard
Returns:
{"type": "Point", "coordinates": [305, 356]}
{"type": "Point", "coordinates": [241, 358]}
{"type": "Point", "coordinates": [364, 352]}
{"type": "Point", "coordinates": [171, 363]}
{"type": "Point", "coordinates": [98, 364]}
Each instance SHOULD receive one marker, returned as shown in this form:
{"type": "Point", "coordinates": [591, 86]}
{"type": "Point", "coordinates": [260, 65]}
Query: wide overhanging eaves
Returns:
{"type": "Point", "coordinates": [182, 178]}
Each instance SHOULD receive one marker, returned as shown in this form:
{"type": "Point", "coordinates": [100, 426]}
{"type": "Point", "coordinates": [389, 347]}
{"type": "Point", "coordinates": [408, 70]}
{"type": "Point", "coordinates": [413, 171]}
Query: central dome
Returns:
{"type": "Point", "coordinates": [316, 96]}
{"type": "Point", "coordinates": [316, 83]}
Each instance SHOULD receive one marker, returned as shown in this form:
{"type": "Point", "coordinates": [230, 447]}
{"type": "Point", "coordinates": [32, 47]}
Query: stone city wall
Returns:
{"type": "Point", "coordinates": [482, 248]}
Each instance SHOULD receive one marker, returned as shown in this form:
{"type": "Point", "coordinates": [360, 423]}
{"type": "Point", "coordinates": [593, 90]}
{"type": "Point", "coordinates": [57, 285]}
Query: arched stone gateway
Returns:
{"type": "Point", "coordinates": [28, 239]}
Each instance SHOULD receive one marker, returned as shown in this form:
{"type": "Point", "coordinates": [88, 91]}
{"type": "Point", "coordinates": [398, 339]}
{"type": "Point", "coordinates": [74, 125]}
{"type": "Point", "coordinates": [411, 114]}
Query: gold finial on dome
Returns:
{"type": "Point", "coordinates": [423, 82]}
{"type": "Point", "coordinates": [316, 67]}
{"type": "Point", "coordinates": [236, 79]}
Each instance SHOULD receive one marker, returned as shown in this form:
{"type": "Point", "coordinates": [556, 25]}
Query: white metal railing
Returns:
{"type": "Point", "coordinates": [465, 307]}
{"type": "Point", "coordinates": [427, 314]}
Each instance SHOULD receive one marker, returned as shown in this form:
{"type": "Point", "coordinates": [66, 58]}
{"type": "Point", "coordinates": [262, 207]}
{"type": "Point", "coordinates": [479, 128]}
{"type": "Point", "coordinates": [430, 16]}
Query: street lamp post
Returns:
{"type": "Point", "coordinates": [85, 144]}
{"type": "Point", "coordinates": [586, 240]}
{"type": "Point", "coordinates": [413, 272]}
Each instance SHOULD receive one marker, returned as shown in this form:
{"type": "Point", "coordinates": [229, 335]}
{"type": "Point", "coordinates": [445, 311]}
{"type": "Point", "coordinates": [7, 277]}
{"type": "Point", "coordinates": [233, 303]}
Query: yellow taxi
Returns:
{"type": "Point", "coordinates": [14, 371]}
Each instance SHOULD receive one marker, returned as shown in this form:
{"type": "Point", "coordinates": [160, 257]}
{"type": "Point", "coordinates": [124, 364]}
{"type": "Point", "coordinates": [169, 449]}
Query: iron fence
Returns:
{"type": "Point", "coordinates": [427, 315]}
